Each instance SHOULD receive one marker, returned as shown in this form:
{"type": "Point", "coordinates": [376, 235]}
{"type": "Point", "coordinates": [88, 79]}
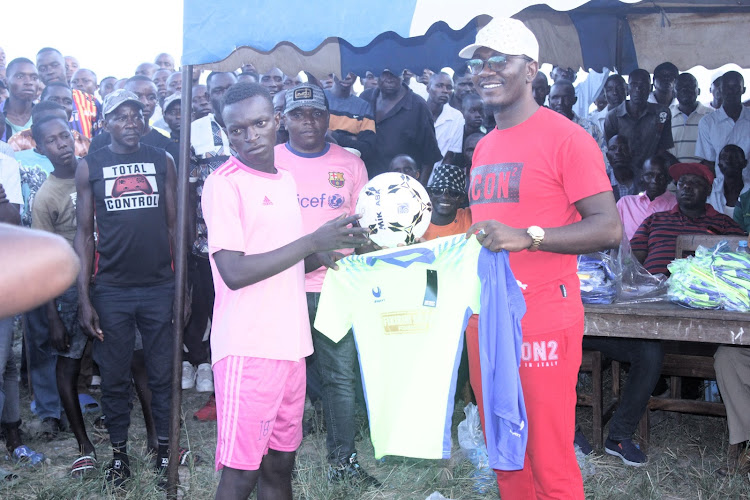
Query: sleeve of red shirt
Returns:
{"type": "Point", "coordinates": [639, 241]}
{"type": "Point", "coordinates": [582, 167]}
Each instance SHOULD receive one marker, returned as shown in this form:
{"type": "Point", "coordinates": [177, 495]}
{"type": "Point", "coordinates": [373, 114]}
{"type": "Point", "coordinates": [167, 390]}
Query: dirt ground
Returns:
{"type": "Point", "coordinates": [683, 457]}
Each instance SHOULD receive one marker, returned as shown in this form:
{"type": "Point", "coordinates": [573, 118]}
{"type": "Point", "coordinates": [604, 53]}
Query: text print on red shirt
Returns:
{"type": "Point", "coordinates": [497, 183]}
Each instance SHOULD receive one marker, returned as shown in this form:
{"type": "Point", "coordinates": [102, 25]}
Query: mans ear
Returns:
{"type": "Point", "coordinates": [532, 68]}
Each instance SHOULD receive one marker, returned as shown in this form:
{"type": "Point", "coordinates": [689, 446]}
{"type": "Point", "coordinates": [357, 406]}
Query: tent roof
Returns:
{"type": "Point", "coordinates": [410, 33]}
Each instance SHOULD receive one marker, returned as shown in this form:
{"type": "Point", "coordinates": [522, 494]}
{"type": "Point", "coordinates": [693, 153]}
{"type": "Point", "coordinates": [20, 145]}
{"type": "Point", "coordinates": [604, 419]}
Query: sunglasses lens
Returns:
{"type": "Point", "coordinates": [475, 66]}
{"type": "Point", "coordinates": [497, 63]}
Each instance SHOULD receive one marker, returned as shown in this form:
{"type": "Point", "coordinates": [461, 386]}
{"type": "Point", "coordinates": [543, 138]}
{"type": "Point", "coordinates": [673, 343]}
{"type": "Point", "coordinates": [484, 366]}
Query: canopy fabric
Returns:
{"type": "Point", "coordinates": [212, 31]}
{"type": "Point", "coordinates": [329, 36]}
{"type": "Point", "coordinates": [710, 40]}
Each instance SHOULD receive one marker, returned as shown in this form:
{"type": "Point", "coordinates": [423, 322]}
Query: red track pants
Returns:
{"type": "Point", "coordinates": [549, 372]}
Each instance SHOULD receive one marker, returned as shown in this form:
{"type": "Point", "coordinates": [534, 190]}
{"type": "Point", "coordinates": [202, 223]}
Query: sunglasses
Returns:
{"type": "Point", "coordinates": [495, 63]}
{"type": "Point", "coordinates": [451, 193]}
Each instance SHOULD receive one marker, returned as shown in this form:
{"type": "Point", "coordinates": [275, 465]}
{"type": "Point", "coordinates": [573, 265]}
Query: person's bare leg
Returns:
{"type": "Point", "coordinates": [140, 378]}
{"type": "Point", "coordinates": [236, 484]}
{"type": "Point", "coordinates": [67, 385]}
{"type": "Point", "coordinates": [276, 476]}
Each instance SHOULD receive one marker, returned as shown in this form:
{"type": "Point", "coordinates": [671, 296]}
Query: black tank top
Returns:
{"type": "Point", "coordinates": [133, 247]}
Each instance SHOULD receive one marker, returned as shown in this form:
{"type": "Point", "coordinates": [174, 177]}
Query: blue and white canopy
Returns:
{"type": "Point", "coordinates": [337, 36]}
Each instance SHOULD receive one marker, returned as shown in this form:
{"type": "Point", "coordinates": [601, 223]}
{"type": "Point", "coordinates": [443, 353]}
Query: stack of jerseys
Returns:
{"type": "Point", "coordinates": [598, 280]}
{"type": "Point", "coordinates": [408, 308]}
{"type": "Point", "coordinates": [713, 279]}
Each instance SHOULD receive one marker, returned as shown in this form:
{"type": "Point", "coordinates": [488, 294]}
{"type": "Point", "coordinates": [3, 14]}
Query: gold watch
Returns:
{"type": "Point", "coordinates": [537, 235]}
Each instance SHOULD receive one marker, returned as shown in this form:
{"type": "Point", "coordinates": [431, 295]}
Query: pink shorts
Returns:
{"type": "Point", "coordinates": [259, 405]}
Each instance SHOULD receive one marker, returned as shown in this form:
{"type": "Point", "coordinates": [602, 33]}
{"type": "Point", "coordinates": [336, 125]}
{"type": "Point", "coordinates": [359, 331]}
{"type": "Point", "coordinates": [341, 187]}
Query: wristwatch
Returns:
{"type": "Point", "coordinates": [537, 235]}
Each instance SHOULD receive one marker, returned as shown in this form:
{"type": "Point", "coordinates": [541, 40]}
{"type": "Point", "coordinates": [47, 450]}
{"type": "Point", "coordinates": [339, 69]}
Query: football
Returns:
{"type": "Point", "coordinates": [396, 209]}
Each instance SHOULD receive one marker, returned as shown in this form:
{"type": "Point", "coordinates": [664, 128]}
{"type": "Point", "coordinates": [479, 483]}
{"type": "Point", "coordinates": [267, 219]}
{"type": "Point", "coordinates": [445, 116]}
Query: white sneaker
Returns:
{"type": "Point", "coordinates": [188, 375]}
{"type": "Point", "coordinates": [204, 380]}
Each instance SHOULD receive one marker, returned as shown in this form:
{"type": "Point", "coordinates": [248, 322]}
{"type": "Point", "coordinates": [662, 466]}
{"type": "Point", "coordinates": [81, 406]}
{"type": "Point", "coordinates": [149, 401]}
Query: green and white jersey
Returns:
{"type": "Point", "coordinates": [408, 308]}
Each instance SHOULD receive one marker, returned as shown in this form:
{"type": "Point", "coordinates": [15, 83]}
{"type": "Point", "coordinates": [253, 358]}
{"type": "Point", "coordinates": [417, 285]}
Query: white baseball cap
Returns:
{"type": "Point", "coordinates": [505, 35]}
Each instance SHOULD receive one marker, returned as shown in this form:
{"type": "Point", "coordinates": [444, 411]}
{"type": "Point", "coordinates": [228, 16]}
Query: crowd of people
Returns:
{"type": "Point", "coordinates": [276, 165]}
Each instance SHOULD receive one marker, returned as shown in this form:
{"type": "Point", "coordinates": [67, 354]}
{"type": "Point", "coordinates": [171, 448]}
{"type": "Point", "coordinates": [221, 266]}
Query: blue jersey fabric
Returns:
{"type": "Point", "coordinates": [500, 337]}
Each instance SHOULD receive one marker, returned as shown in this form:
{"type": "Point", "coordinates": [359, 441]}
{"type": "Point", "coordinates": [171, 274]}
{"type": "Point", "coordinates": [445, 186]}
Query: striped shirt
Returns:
{"type": "Point", "coordinates": [685, 132]}
{"type": "Point", "coordinates": [658, 234]}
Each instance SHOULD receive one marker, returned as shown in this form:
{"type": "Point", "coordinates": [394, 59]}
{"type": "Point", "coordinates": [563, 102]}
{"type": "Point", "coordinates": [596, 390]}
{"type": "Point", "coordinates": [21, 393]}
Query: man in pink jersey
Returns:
{"type": "Point", "coordinates": [329, 179]}
{"type": "Point", "coordinates": [260, 334]}
{"type": "Point", "coordinates": [538, 190]}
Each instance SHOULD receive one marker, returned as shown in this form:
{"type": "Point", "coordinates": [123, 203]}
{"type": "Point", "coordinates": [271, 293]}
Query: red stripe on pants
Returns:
{"type": "Point", "coordinates": [549, 372]}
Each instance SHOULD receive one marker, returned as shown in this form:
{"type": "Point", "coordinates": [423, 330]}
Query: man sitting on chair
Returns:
{"type": "Point", "coordinates": [654, 246]}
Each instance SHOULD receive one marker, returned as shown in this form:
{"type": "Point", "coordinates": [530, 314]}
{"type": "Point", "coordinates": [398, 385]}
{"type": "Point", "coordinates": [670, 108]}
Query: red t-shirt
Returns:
{"type": "Point", "coordinates": [531, 175]}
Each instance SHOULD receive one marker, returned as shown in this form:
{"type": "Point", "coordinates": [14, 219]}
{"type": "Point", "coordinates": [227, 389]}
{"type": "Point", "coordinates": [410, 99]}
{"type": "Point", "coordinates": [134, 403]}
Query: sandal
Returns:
{"type": "Point", "coordinates": [88, 404]}
{"type": "Point", "coordinates": [82, 465]}
{"type": "Point", "coordinates": [7, 476]}
{"type": "Point", "coordinates": [24, 455]}
{"type": "Point", "coordinates": [187, 456]}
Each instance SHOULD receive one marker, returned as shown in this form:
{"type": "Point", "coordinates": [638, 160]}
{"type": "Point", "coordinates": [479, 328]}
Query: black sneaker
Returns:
{"type": "Point", "coordinates": [582, 443]}
{"type": "Point", "coordinates": [117, 472]}
{"type": "Point", "coordinates": [161, 471]}
{"type": "Point", "coordinates": [627, 451]}
{"type": "Point", "coordinates": [351, 471]}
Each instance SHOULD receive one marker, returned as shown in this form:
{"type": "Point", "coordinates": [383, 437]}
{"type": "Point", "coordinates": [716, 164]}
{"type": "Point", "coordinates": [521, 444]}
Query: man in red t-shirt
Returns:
{"type": "Point", "coordinates": [538, 190]}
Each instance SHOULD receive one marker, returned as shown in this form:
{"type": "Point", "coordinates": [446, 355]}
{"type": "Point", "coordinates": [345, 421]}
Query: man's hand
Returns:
{"type": "Point", "coordinates": [58, 337]}
{"type": "Point", "coordinates": [339, 233]}
{"type": "Point", "coordinates": [89, 319]}
{"type": "Point", "coordinates": [496, 236]}
{"type": "Point", "coordinates": [323, 259]}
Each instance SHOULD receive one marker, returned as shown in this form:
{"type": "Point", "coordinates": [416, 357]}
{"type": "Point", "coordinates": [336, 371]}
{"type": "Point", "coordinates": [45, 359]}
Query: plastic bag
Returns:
{"type": "Point", "coordinates": [471, 441]}
{"type": "Point", "coordinates": [617, 276]}
{"type": "Point", "coordinates": [715, 278]}
{"type": "Point", "coordinates": [471, 438]}
{"type": "Point", "coordinates": [436, 496]}
{"type": "Point", "coordinates": [636, 284]}
{"type": "Point", "coordinates": [598, 278]}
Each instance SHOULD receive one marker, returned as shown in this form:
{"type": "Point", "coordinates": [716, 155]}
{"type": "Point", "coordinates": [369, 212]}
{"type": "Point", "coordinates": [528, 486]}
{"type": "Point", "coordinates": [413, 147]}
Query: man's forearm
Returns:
{"type": "Point", "coordinates": [239, 271]}
{"type": "Point", "coordinates": [10, 213]}
{"type": "Point", "coordinates": [84, 247]}
{"type": "Point", "coordinates": [595, 233]}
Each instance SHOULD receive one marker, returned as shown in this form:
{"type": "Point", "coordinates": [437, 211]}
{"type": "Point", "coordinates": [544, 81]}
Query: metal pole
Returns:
{"type": "Point", "coordinates": [180, 267]}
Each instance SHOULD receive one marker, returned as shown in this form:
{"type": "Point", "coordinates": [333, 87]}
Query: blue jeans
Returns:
{"type": "Point", "coordinates": [337, 364]}
{"type": "Point", "coordinates": [645, 358]}
{"type": "Point", "coordinates": [43, 363]}
{"type": "Point", "coordinates": [9, 398]}
{"type": "Point", "coordinates": [121, 310]}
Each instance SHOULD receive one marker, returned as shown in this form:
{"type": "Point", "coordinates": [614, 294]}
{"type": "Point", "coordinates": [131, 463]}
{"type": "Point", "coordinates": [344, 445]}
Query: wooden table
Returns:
{"type": "Point", "coordinates": [670, 322]}
{"type": "Point", "coordinates": [665, 321]}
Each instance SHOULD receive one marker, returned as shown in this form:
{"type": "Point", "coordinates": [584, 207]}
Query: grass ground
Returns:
{"type": "Point", "coordinates": [684, 453]}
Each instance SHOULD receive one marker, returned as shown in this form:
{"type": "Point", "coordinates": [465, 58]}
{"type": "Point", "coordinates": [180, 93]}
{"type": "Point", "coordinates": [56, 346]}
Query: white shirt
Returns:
{"type": "Point", "coordinates": [685, 132]}
{"type": "Point", "coordinates": [717, 199]}
{"type": "Point", "coordinates": [598, 118]}
{"type": "Point", "coordinates": [208, 138]}
{"type": "Point", "coordinates": [449, 132]}
{"type": "Point", "coordinates": [652, 98]}
{"type": "Point", "coordinates": [716, 130]}
{"type": "Point", "coordinates": [588, 90]}
{"type": "Point", "coordinates": [418, 88]}
{"type": "Point", "coordinates": [10, 176]}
